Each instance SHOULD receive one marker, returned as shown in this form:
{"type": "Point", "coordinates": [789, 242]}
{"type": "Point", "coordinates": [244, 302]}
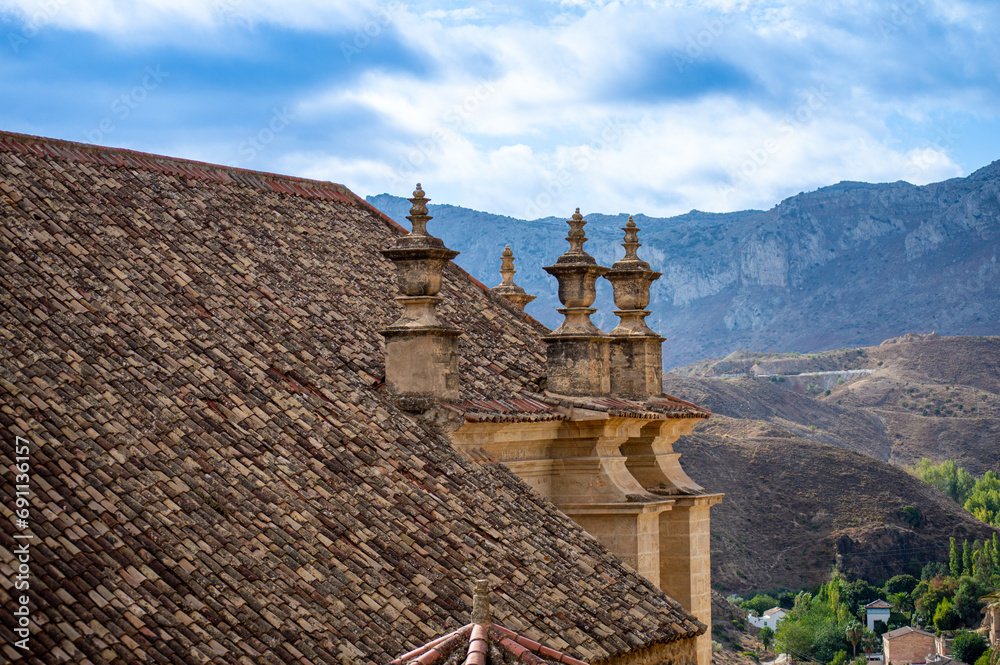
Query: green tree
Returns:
{"type": "Point", "coordinates": [794, 637]}
{"type": "Point", "coordinates": [955, 559]}
{"type": "Point", "coordinates": [987, 658]}
{"type": "Point", "coordinates": [856, 595]}
{"type": "Point", "coordinates": [968, 647]}
{"type": "Point", "coordinates": [945, 616]}
{"type": "Point", "coordinates": [841, 657]}
{"type": "Point", "coordinates": [760, 603]}
{"type": "Point", "coordinates": [967, 600]}
{"type": "Point", "coordinates": [766, 636]}
{"type": "Point", "coordinates": [902, 603]}
{"type": "Point", "coordinates": [966, 558]}
{"type": "Point", "coordinates": [935, 591]}
{"type": "Point", "coordinates": [870, 643]}
{"type": "Point", "coordinates": [854, 632]}
{"type": "Point", "coordinates": [828, 639]}
{"type": "Point", "coordinates": [984, 500]}
{"type": "Point", "coordinates": [900, 584]}
{"type": "Point", "coordinates": [946, 477]}
{"type": "Point", "coordinates": [911, 515]}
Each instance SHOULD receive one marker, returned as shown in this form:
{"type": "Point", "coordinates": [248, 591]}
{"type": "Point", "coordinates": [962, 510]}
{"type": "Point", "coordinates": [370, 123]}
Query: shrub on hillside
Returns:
{"type": "Point", "coordinates": [968, 647]}
{"type": "Point", "coordinates": [986, 658]}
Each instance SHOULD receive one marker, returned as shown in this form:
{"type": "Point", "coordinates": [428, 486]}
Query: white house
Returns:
{"type": "Point", "coordinates": [877, 610]}
{"type": "Point", "coordinates": [770, 618]}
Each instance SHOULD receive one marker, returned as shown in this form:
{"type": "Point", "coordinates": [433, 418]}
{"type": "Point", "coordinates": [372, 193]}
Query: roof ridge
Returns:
{"type": "Point", "coordinates": [89, 153]}
{"type": "Point", "coordinates": [523, 649]}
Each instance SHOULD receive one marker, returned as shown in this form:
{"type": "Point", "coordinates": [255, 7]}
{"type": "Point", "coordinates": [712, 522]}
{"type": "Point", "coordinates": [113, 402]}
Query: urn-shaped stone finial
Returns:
{"type": "Point", "coordinates": [631, 279]}
{"type": "Point", "coordinates": [421, 351]}
{"type": "Point", "coordinates": [507, 288]}
{"type": "Point", "coordinates": [577, 351]}
{"type": "Point", "coordinates": [577, 272]}
{"type": "Point", "coordinates": [636, 356]}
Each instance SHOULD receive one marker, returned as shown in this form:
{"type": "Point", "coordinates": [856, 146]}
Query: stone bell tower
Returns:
{"type": "Point", "coordinates": [421, 352]}
{"type": "Point", "coordinates": [507, 288]}
{"type": "Point", "coordinates": [577, 351]}
{"type": "Point", "coordinates": [636, 351]}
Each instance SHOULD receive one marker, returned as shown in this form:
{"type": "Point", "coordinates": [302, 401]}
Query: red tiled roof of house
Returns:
{"type": "Point", "coordinates": [878, 605]}
{"type": "Point", "coordinates": [192, 353]}
{"type": "Point", "coordinates": [905, 630]}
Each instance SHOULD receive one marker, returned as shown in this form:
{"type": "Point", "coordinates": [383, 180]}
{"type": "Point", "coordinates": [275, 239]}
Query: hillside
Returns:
{"type": "Point", "coordinates": [846, 265]}
{"type": "Point", "coordinates": [808, 477]}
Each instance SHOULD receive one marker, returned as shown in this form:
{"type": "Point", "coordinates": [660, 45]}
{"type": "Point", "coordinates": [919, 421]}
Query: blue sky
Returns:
{"type": "Point", "coordinates": [523, 108]}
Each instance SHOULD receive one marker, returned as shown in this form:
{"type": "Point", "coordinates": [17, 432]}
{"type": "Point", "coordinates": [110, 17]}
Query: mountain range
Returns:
{"type": "Point", "coordinates": [810, 474]}
{"type": "Point", "coordinates": [846, 265]}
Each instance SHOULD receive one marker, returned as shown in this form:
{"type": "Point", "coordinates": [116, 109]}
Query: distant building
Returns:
{"type": "Point", "coordinates": [878, 610]}
{"type": "Point", "coordinates": [992, 622]}
{"type": "Point", "coordinates": [908, 645]}
{"type": "Point", "coordinates": [935, 659]}
{"type": "Point", "coordinates": [782, 659]}
{"type": "Point", "coordinates": [771, 618]}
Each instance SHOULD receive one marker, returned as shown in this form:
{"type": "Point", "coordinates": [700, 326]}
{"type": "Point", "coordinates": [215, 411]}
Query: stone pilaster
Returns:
{"type": "Point", "coordinates": [636, 358]}
{"type": "Point", "coordinates": [577, 351]}
{"type": "Point", "coordinates": [421, 352]}
{"type": "Point", "coordinates": [507, 288]}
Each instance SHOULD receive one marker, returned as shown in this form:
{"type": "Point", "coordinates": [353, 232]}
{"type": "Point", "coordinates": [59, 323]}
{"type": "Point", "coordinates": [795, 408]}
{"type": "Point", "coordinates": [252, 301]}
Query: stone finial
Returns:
{"type": "Point", "coordinates": [507, 267]}
{"type": "Point", "coordinates": [577, 350]}
{"type": "Point", "coordinates": [507, 288]}
{"type": "Point", "coordinates": [576, 237]}
{"type": "Point", "coordinates": [631, 244]}
{"type": "Point", "coordinates": [421, 351]}
{"type": "Point", "coordinates": [419, 237]}
{"type": "Point", "coordinates": [631, 278]}
{"type": "Point", "coordinates": [577, 273]}
{"type": "Point", "coordinates": [636, 356]}
{"type": "Point", "coordinates": [481, 612]}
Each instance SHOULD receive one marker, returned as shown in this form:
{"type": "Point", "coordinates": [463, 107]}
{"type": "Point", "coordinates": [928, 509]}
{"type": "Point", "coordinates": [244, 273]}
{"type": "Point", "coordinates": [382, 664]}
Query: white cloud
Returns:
{"type": "Point", "coordinates": [168, 19]}
{"type": "Point", "coordinates": [593, 107]}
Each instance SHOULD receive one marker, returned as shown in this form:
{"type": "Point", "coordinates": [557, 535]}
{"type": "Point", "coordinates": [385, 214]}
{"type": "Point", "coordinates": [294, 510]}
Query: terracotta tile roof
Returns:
{"type": "Point", "coordinates": [526, 409]}
{"type": "Point", "coordinates": [192, 351]}
{"type": "Point", "coordinates": [485, 644]}
{"type": "Point", "coordinates": [878, 605]}
{"type": "Point", "coordinates": [905, 630]}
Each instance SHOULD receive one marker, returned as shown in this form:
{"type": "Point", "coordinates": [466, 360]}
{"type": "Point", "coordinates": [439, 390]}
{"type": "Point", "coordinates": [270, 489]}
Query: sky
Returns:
{"type": "Point", "coordinates": [522, 108]}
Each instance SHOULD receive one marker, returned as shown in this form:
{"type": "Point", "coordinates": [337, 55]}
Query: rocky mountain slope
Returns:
{"type": "Point", "coordinates": [808, 477]}
{"type": "Point", "coordinates": [849, 264]}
